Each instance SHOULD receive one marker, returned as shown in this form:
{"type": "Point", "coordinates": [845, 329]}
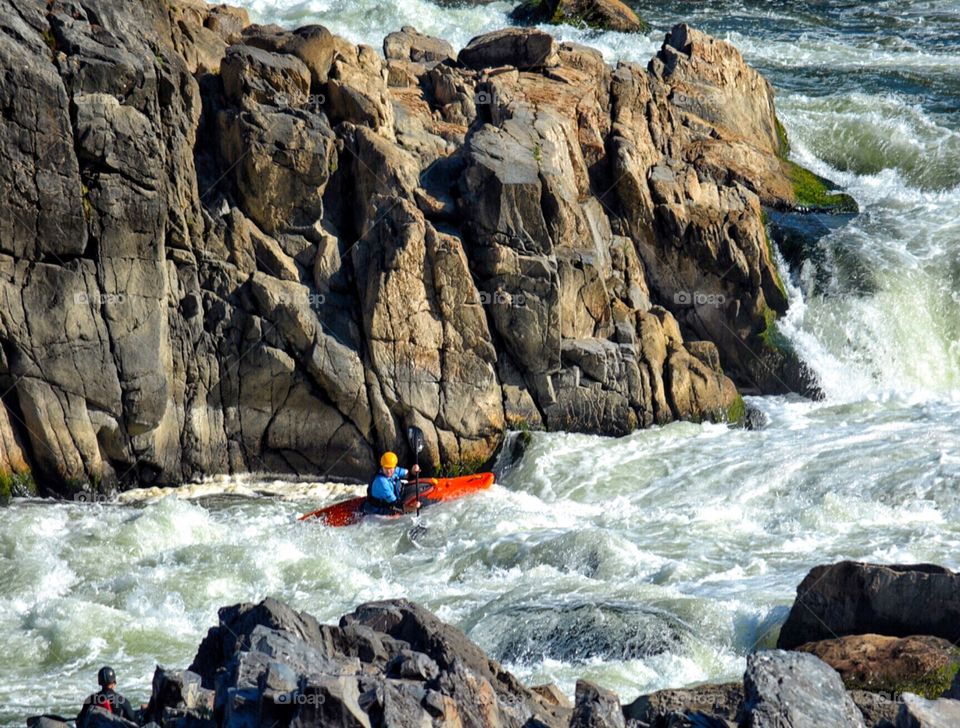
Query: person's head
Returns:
{"type": "Point", "coordinates": [388, 462]}
{"type": "Point", "coordinates": [107, 678]}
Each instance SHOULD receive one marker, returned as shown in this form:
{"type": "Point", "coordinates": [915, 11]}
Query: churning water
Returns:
{"type": "Point", "coordinates": [655, 560]}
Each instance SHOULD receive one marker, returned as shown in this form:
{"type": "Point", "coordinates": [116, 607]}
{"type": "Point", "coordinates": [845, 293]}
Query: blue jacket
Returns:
{"type": "Point", "coordinates": [387, 489]}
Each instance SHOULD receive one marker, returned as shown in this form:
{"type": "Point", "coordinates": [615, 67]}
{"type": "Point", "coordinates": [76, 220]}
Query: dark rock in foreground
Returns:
{"type": "Point", "coordinates": [394, 664]}
{"type": "Point", "coordinates": [795, 690]}
{"type": "Point", "coordinates": [856, 598]}
{"type": "Point", "coordinates": [667, 707]}
{"type": "Point", "coordinates": [386, 664]}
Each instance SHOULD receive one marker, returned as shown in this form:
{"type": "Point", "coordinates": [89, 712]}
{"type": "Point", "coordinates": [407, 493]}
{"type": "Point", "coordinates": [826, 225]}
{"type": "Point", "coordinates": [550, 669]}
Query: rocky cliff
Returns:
{"type": "Point", "coordinates": [229, 248]}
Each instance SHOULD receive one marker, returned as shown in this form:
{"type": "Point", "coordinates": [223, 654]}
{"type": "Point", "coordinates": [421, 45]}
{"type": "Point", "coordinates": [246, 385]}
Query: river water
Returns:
{"type": "Point", "coordinates": [655, 560]}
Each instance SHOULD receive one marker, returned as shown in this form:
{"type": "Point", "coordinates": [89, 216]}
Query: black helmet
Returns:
{"type": "Point", "coordinates": [106, 676]}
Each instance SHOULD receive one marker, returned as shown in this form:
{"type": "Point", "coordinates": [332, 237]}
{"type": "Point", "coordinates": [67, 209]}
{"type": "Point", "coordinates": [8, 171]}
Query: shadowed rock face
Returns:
{"type": "Point", "coordinates": [851, 598]}
{"type": "Point", "coordinates": [229, 248]}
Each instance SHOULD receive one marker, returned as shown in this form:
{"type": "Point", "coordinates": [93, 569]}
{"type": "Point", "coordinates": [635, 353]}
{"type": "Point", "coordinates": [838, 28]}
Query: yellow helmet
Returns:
{"type": "Point", "coordinates": [389, 460]}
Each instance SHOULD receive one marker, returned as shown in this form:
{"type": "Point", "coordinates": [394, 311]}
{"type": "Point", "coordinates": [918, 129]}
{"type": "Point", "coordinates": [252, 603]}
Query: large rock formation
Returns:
{"type": "Point", "coordinates": [386, 664]}
{"type": "Point", "coordinates": [230, 248]}
{"type": "Point", "coordinates": [851, 598]}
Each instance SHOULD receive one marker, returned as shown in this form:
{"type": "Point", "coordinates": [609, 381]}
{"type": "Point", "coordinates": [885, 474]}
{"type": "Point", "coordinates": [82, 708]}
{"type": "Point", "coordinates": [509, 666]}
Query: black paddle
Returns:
{"type": "Point", "coordinates": [415, 438]}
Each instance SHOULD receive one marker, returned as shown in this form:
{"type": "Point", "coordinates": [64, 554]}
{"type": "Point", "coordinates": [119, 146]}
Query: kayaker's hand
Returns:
{"type": "Point", "coordinates": [415, 469]}
{"type": "Point", "coordinates": [412, 506]}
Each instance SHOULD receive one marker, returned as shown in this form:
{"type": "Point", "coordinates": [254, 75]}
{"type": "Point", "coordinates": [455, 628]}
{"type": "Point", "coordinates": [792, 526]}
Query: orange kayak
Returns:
{"type": "Point", "coordinates": [432, 490]}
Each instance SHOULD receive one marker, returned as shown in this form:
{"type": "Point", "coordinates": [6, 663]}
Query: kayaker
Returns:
{"type": "Point", "coordinates": [107, 698]}
{"type": "Point", "coordinates": [385, 494]}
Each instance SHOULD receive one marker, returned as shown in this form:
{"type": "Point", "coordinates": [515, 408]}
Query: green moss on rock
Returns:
{"type": "Point", "coordinates": [737, 411]}
{"type": "Point", "coordinates": [467, 466]}
{"type": "Point", "coordinates": [813, 191]}
{"type": "Point", "coordinates": [16, 485]}
{"type": "Point", "coordinates": [931, 685]}
{"type": "Point", "coordinates": [783, 139]}
{"type": "Point", "coordinates": [771, 336]}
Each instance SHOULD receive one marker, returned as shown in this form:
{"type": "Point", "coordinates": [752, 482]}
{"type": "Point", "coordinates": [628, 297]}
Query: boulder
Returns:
{"type": "Point", "coordinates": [720, 701]}
{"type": "Point", "coordinates": [313, 45]}
{"type": "Point", "coordinates": [917, 712]}
{"type": "Point", "coordinates": [599, 14]}
{"type": "Point", "coordinates": [524, 48]}
{"type": "Point", "coordinates": [408, 44]}
{"type": "Point", "coordinates": [264, 77]}
{"type": "Point", "coordinates": [851, 597]}
{"type": "Point", "coordinates": [797, 690]}
{"type": "Point", "coordinates": [596, 708]}
{"type": "Point", "coordinates": [579, 632]}
{"type": "Point", "coordinates": [918, 664]}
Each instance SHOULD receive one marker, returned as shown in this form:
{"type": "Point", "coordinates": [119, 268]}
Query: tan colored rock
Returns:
{"type": "Point", "coordinates": [410, 45]}
{"type": "Point", "coordinates": [357, 91]}
{"type": "Point", "coordinates": [524, 48]}
{"type": "Point", "coordinates": [266, 78]}
{"type": "Point", "coordinates": [313, 45]}
{"type": "Point", "coordinates": [919, 664]}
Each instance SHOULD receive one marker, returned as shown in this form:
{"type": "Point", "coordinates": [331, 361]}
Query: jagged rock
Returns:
{"type": "Point", "coordinates": [553, 695]}
{"type": "Point", "coordinates": [263, 77]}
{"type": "Point", "coordinates": [176, 689]}
{"type": "Point", "coordinates": [387, 663]}
{"type": "Point", "coordinates": [919, 664]}
{"type": "Point", "coordinates": [410, 45]}
{"type": "Point", "coordinates": [797, 690]}
{"type": "Point", "coordinates": [664, 706]}
{"type": "Point", "coordinates": [596, 708]}
{"type": "Point", "coordinates": [526, 49]}
{"type": "Point", "coordinates": [858, 598]}
{"type": "Point", "coordinates": [357, 90]}
{"type": "Point", "coordinates": [313, 45]}
{"type": "Point", "coordinates": [917, 712]}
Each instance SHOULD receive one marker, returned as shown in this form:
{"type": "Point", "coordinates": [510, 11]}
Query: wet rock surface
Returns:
{"type": "Point", "coordinates": [248, 248]}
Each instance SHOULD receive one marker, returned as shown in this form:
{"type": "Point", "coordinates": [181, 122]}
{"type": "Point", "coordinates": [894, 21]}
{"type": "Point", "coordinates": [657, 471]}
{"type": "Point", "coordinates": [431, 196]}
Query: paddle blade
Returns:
{"type": "Point", "coordinates": [418, 531]}
{"type": "Point", "coordinates": [415, 438]}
